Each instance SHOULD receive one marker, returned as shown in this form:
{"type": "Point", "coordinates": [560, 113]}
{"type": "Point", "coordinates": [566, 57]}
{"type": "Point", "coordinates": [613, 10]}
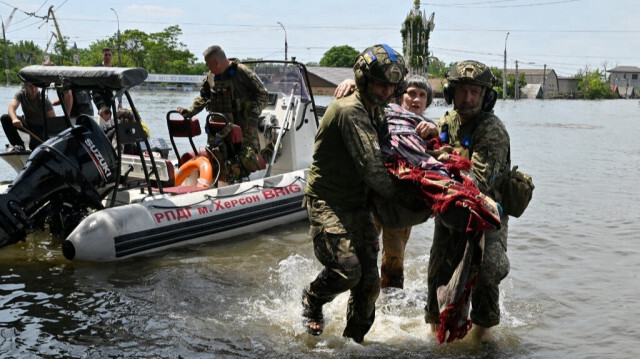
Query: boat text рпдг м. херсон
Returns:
{"type": "Point", "coordinates": [109, 205]}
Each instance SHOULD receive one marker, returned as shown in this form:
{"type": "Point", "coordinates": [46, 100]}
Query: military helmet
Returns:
{"type": "Point", "coordinates": [379, 63]}
{"type": "Point", "coordinates": [473, 72]}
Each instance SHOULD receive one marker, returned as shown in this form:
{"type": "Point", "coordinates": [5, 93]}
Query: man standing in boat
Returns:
{"type": "Point", "coordinates": [105, 97]}
{"type": "Point", "coordinates": [28, 97]}
{"type": "Point", "coordinates": [346, 162]}
{"type": "Point", "coordinates": [233, 89]}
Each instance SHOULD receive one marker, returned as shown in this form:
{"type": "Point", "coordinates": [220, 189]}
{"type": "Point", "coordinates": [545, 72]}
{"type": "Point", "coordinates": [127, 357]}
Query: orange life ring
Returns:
{"type": "Point", "coordinates": [199, 163]}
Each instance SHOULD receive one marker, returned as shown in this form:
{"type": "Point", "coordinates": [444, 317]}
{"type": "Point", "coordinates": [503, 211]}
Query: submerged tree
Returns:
{"type": "Point", "coordinates": [594, 85]}
{"type": "Point", "coordinates": [511, 82]}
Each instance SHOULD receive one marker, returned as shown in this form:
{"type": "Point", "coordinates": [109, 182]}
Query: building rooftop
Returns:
{"type": "Point", "coordinates": [334, 75]}
{"type": "Point", "coordinates": [627, 69]}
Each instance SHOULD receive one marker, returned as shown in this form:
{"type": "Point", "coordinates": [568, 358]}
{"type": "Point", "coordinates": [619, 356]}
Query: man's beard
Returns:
{"type": "Point", "coordinates": [378, 100]}
{"type": "Point", "coordinates": [470, 112]}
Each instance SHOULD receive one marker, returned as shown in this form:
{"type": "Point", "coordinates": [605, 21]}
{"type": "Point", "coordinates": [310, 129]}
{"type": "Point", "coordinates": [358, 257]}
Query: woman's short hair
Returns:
{"type": "Point", "coordinates": [420, 82]}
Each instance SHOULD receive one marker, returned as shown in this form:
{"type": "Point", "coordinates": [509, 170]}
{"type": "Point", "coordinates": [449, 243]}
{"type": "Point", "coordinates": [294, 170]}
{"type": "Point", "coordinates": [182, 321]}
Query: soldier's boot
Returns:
{"type": "Point", "coordinates": [312, 318]}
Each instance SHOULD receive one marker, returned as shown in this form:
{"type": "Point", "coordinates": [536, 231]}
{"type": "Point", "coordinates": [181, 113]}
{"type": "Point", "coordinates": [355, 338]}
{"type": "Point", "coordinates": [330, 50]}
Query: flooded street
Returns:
{"type": "Point", "coordinates": [572, 291]}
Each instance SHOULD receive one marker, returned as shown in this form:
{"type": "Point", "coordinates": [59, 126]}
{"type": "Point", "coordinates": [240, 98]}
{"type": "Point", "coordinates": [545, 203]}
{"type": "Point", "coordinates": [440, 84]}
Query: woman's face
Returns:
{"type": "Point", "coordinates": [415, 100]}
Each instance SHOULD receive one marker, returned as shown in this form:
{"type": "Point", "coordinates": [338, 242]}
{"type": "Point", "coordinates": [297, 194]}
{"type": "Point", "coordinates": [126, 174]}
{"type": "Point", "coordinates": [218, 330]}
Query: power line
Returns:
{"type": "Point", "coordinates": [472, 5]}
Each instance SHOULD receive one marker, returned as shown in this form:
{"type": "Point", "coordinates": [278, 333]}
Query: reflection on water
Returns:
{"type": "Point", "coordinates": [572, 290]}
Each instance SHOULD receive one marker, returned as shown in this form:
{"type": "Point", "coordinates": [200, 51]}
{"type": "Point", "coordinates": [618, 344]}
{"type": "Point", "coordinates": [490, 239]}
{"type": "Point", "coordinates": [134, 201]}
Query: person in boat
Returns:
{"type": "Point", "coordinates": [234, 90]}
{"type": "Point", "coordinates": [415, 98]}
{"type": "Point", "coordinates": [124, 115]}
{"type": "Point", "coordinates": [347, 162]}
{"type": "Point", "coordinates": [105, 116]}
{"type": "Point", "coordinates": [475, 132]}
{"type": "Point", "coordinates": [103, 98]}
{"type": "Point", "coordinates": [77, 102]}
{"type": "Point", "coordinates": [32, 121]}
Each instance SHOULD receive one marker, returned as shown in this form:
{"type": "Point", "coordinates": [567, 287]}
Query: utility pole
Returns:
{"type": "Point", "coordinates": [55, 23]}
{"type": "Point", "coordinates": [285, 40]}
{"type": "Point", "coordinates": [586, 74]}
{"type": "Point", "coordinates": [504, 74]}
{"type": "Point", "coordinates": [544, 79]}
{"type": "Point", "coordinates": [516, 87]}
{"type": "Point", "coordinates": [118, 37]}
{"type": "Point", "coordinates": [6, 51]}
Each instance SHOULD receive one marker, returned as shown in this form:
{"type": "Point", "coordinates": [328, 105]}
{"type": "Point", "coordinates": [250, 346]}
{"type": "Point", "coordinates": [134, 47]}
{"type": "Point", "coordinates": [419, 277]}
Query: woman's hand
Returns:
{"type": "Point", "coordinates": [345, 88]}
{"type": "Point", "coordinates": [426, 129]}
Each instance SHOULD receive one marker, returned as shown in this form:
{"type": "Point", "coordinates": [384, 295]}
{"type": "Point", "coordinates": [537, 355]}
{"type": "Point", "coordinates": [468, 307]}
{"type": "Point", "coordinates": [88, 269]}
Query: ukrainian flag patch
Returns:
{"type": "Point", "coordinates": [369, 57]}
{"type": "Point", "coordinates": [373, 137]}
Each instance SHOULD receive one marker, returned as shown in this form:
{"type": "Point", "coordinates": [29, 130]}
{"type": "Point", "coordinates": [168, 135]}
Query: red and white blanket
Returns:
{"type": "Point", "coordinates": [445, 185]}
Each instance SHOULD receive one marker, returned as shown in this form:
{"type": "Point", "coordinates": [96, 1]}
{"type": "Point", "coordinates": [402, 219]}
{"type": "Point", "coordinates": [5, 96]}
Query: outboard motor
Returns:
{"type": "Point", "coordinates": [66, 174]}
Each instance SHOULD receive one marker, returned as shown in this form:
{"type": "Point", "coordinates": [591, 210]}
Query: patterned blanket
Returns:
{"type": "Point", "coordinates": [445, 185]}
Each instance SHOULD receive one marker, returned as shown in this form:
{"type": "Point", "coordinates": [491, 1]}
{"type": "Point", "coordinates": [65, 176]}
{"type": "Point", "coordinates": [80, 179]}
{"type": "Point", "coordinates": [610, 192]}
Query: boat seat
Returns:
{"type": "Point", "coordinates": [182, 127]}
{"type": "Point", "coordinates": [132, 166]}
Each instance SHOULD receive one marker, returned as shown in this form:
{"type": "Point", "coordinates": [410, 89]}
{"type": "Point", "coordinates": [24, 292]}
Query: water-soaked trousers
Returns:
{"type": "Point", "coordinates": [394, 243]}
{"type": "Point", "coordinates": [345, 241]}
{"type": "Point", "coordinates": [447, 250]}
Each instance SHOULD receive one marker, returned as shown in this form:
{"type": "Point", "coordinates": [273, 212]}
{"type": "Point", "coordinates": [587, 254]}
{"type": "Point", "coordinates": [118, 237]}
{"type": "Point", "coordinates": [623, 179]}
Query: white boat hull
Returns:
{"type": "Point", "coordinates": [206, 216]}
{"type": "Point", "coordinates": [16, 160]}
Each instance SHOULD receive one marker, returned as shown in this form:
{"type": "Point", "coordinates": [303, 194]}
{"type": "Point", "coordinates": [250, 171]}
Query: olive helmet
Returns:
{"type": "Point", "coordinates": [471, 72]}
{"type": "Point", "coordinates": [380, 63]}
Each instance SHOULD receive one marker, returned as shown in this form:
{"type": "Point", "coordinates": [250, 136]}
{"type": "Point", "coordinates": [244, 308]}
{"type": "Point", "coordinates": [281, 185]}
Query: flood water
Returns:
{"type": "Point", "coordinates": [572, 291]}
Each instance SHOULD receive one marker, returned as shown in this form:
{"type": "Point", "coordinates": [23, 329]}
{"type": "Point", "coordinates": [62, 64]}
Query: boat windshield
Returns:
{"type": "Point", "coordinates": [282, 78]}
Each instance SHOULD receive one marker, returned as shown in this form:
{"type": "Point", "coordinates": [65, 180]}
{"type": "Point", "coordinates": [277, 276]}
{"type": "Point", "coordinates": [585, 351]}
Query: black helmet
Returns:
{"type": "Point", "coordinates": [380, 63]}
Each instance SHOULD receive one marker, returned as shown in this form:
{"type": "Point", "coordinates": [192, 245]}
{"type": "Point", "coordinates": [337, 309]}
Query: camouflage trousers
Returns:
{"type": "Point", "coordinates": [345, 241]}
{"type": "Point", "coordinates": [394, 242]}
{"type": "Point", "coordinates": [250, 136]}
{"type": "Point", "coordinates": [447, 250]}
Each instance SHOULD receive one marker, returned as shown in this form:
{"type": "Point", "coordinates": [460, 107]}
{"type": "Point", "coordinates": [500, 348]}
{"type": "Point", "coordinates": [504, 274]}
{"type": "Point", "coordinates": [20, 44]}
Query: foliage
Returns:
{"type": "Point", "coordinates": [159, 52]}
{"type": "Point", "coordinates": [594, 85]}
{"type": "Point", "coordinates": [339, 56]}
{"type": "Point", "coordinates": [511, 82]}
{"type": "Point", "coordinates": [437, 68]}
{"type": "Point", "coordinates": [22, 54]}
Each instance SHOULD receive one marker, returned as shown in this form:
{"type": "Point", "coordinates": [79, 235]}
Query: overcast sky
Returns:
{"type": "Point", "coordinates": [566, 35]}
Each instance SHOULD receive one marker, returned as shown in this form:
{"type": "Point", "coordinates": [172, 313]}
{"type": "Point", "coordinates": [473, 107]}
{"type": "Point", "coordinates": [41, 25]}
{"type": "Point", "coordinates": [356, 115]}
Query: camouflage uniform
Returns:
{"type": "Point", "coordinates": [239, 94]}
{"type": "Point", "coordinates": [489, 154]}
{"type": "Point", "coordinates": [347, 159]}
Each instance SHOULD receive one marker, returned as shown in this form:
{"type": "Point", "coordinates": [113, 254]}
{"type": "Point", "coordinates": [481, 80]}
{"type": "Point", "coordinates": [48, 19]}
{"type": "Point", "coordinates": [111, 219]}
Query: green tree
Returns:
{"type": "Point", "coordinates": [511, 82]}
{"type": "Point", "coordinates": [437, 68]}
{"type": "Point", "coordinates": [159, 52]}
{"type": "Point", "coordinates": [132, 47]}
{"type": "Point", "coordinates": [594, 85]}
{"type": "Point", "coordinates": [21, 54]}
{"type": "Point", "coordinates": [339, 56]}
{"type": "Point", "coordinates": [165, 54]}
